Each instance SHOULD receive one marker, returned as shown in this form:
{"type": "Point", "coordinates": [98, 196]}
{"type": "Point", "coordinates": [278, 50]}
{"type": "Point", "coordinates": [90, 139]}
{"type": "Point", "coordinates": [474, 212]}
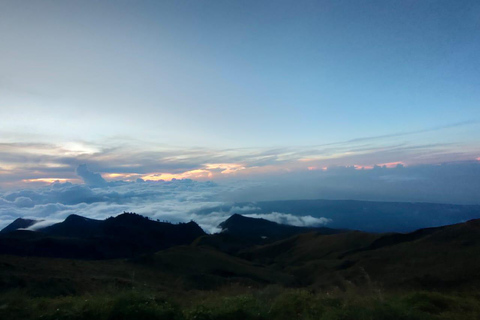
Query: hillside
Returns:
{"type": "Point", "coordinates": [444, 257]}
{"type": "Point", "coordinates": [432, 258]}
{"type": "Point", "coordinates": [123, 236]}
{"type": "Point", "coordinates": [431, 273]}
{"type": "Point", "coordinates": [239, 233]}
{"type": "Point", "coordinates": [19, 223]}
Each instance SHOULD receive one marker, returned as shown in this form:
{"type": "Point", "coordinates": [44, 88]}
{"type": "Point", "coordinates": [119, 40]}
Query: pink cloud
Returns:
{"type": "Point", "coordinates": [361, 167]}
{"type": "Point", "coordinates": [391, 164]}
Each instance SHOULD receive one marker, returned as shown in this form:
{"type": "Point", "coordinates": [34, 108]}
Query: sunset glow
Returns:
{"type": "Point", "coordinates": [121, 176]}
{"type": "Point", "coordinates": [272, 105]}
{"type": "Point", "coordinates": [50, 180]}
{"type": "Point", "coordinates": [192, 174]}
{"type": "Point", "coordinates": [391, 164]}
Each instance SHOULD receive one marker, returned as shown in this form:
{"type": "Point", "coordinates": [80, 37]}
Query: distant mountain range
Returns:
{"type": "Point", "coordinates": [240, 232]}
{"type": "Point", "coordinates": [246, 227]}
{"type": "Point", "coordinates": [126, 235]}
{"type": "Point", "coordinates": [369, 216]}
{"type": "Point", "coordinates": [248, 251]}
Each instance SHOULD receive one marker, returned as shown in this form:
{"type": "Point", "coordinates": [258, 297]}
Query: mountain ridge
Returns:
{"type": "Point", "coordinates": [123, 236]}
{"type": "Point", "coordinates": [434, 258]}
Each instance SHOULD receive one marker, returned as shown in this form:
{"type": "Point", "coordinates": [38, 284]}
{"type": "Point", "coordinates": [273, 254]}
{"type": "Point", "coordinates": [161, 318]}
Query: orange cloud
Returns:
{"type": "Point", "coordinates": [50, 180]}
{"type": "Point", "coordinates": [209, 171]}
{"type": "Point", "coordinates": [386, 164]}
{"type": "Point", "coordinates": [317, 168]}
{"type": "Point", "coordinates": [192, 174]}
{"type": "Point", "coordinates": [391, 164]}
{"type": "Point", "coordinates": [121, 176]}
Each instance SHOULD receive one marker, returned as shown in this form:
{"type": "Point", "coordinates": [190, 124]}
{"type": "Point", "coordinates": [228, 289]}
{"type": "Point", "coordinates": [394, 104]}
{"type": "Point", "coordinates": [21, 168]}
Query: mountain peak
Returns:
{"type": "Point", "coordinates": [239, 221]}
{"type": "Point", "coordinates": [124, 236]}
{"type": "Point", "coordinates": [19, 223]}
{"type": "Point", "coordinates": [258, 227]}
{"type": "Point", "coordinates": [77, 218]}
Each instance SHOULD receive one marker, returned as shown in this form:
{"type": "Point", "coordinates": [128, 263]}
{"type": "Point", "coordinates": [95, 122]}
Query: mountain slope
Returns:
{"type": "Point", "coordinates": [240, 233]}
{"type": "Point", "coordinates": [19, 223]}
{"type": "Point", "coordinates": [253, 227]}
{"type": "Point", "coordinates": [445, 257]}
{"type": "Point", "coordinates": [126, 235]}
{"type": "Point", "coordinates": [74, 226]}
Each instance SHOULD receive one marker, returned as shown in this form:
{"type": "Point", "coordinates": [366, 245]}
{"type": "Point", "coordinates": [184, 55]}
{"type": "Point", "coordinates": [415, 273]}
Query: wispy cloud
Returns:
{"type": "Point", "coordinates": [24, 163]}
{"type": "Point", "coordinates": [414, 132]}
{"type": "Point", "coordinates": [210, 203]}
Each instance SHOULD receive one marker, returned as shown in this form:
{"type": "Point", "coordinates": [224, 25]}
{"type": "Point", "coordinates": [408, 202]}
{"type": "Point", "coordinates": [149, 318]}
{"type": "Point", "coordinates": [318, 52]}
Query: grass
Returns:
{"type": "Point", "coordinates": [435, 278]}
{"type": "Point", "coordinates": [271, 302]}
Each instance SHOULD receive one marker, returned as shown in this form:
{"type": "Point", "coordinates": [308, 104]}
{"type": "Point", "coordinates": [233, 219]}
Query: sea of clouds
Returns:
{"type": "Point", "coordinates": [173, 201]}
{"type": "Point", "coordinates": [210, 203]}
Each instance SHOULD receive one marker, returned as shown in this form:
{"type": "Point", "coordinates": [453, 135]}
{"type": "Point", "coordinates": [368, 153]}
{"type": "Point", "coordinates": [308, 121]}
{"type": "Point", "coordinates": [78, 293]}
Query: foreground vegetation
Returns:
{"type": "Point", "coordinates": [271, 302]}
{"type": "Point", "coordinates": [428, 274]}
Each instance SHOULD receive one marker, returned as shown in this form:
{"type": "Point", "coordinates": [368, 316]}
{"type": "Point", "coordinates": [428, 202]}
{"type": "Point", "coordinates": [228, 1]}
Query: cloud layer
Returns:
{"type": "Point", "coordinates": [210, 203]}
{"type": "Point", "coordinates": [174, 201]}
{"type": "Point", "coordinates": [29, 163]}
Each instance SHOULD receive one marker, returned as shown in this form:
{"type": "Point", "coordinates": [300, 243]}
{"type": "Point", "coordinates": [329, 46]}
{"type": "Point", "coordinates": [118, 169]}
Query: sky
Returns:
{"type": "Point", "coordinates": [271, 92]}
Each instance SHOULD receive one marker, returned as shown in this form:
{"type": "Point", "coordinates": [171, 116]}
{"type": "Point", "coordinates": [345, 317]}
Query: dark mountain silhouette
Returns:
{"type": "Point", "coordinates": [19, 223]}
{"type": "Point", "coordinates": [126, 235]}
{"type": "Point", "coordinates": [240, 232]}
{"type": "Point", "coordinates": [442, 258]}
{"type": "Point", "coordinates": [433, 258]}
{"type": "Point", "coordinates": [369, 216]}
{"type": "Point", "coordinates": [75, 226]}
{"type": "Point", "coordinates": [253, 227]}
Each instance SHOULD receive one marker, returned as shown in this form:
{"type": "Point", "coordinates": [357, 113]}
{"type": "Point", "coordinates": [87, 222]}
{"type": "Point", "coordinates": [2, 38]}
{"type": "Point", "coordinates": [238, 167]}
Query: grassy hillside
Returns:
{"type": "Point", "coordinates": [234, 303]}
{"type": "Point", "coordinates": [436, 258]}
{"type": "Point", "coordinates": [428, 274]}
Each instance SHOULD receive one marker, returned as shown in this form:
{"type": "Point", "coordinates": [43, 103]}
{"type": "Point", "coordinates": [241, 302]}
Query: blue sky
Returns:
{"type": "Point", "coordinates": [207, 89]}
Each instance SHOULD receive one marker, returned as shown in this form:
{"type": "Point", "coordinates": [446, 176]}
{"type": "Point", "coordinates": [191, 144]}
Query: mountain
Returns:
{"type": "Point", "coordinates": [19, 223]}
{"type": "Point", "coordinates": [74, 226]}
{"type": "Point", "coordinates": [439, 258]}
{"type": "Point", "coordinates": [126, 235]}
{"type": "Point", "coordinates": [432, 258]}
{"type": "Point", "coordinates": [261, 228]}
{"type": "Point", "coordinates": [369, 216]}
{"type": "Point", "coordinates": [240, 232]}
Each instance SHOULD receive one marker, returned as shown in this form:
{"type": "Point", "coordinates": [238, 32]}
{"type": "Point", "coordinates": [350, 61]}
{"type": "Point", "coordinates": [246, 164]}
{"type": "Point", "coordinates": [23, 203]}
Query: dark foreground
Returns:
{"type": "Point", "coordinates": [293, 274]}
{"type": "Point", "coordinates": [242, 303]}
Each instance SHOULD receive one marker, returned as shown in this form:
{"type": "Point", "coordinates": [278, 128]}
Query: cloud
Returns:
{"type": "Point", "coordinates": [290, 219]}
{"type": "Point", "coordinates": [24, 202]}
{"type": "Point", "coordinates": [210, 221]}
{"type": "Point", "coordinates": [243, 209]}
{"type": "Point", "coordinates": [209, 203]}
{"type": "Point", "coordinates": [89, 177]}
{"type": "Point", "coordinates": [253, 175]}
{"type": "Point", "coordinates": [97, 164]}
{"type": "Point", "coordinates": [174, 201]}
